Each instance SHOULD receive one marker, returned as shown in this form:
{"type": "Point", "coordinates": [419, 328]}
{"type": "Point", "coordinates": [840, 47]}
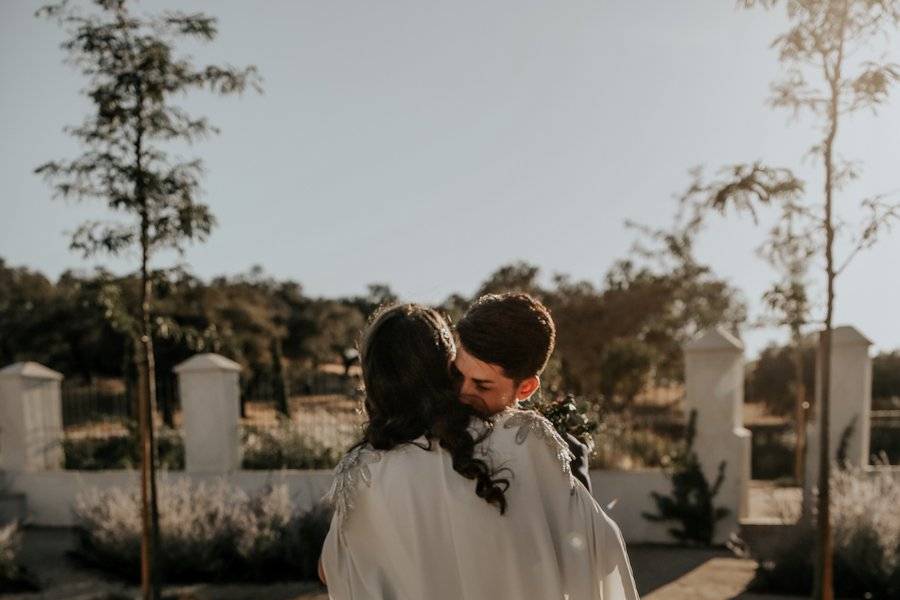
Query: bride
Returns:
{"type": "Point", "coordinates": [439, 503]}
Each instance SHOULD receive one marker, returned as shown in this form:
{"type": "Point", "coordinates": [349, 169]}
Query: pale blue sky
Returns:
{"type": "Point", "coordinates": [424, 144]}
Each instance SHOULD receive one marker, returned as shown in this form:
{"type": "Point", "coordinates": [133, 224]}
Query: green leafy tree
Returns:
{"type": "Point", "coordinates": [453, 307]}
{"type": "Point", "coordinates": [133, 74]}
{"type": "Point", "coordinates": [614, 337]}
{"type": "Point", "coordinates": [24, 295]}
{"type": "Point", "coordinates": [60, 324]}
{"type": "Point", "coordinates": [772, 379]}
{"type": "Point", "coordinates": [624, 368]}
{"type": "Point", "coordinates": [694, 298]}
{"type": "Point", "coordinates": [337, 329]}
{"type": "Point", "coordinates": [514, 277]}
{"type": "Point", "coordinates": [379, 294]}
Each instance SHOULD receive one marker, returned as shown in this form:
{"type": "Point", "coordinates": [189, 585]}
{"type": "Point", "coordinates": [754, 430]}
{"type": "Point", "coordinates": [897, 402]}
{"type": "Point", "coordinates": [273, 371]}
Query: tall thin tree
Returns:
{"type": "Point", "coordinates": [826, 76]}
{"type": "Point", "coordinates": [133, 75]}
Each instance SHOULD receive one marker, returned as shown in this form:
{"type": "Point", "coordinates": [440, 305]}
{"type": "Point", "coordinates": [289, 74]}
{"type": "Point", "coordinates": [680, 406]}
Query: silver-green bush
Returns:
{"type": "Point", "coordinates": [212, 532]}
{"type": "Point", "coordinates": [13, 576]}
{"type": "Point", "coordinates": [866, 541]}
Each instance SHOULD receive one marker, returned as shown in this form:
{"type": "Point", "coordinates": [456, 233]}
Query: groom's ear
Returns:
{"type": "Point", "coordinates": [527, 387]}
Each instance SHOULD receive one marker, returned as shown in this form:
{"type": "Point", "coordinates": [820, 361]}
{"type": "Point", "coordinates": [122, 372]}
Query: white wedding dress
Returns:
{"type": "Point", "coordinates": [409, 527]}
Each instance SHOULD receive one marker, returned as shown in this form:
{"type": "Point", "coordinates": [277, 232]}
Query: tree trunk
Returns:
{"type": "Point", "coordinates": [150, 583]}
{"type": "Point", "coordinates": [824, 552]}
{"type": "Point", "coordinates": [824, 582]}
{"type": "Point", "coordinates": [149, 510]}
{"type": "Point", "coordinates": [146, 394]}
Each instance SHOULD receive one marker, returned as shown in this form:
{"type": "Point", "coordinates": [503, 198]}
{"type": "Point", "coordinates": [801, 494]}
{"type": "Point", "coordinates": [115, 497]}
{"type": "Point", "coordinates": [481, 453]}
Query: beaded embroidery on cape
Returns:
{"type": "Point", "coordinates": [528, 421]}
{"type": "Point", "coordinates": [348, 475]}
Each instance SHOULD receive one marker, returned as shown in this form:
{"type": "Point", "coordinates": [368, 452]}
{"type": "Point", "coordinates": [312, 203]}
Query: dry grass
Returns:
{"type": "Point", "coordinates": [332, 421]}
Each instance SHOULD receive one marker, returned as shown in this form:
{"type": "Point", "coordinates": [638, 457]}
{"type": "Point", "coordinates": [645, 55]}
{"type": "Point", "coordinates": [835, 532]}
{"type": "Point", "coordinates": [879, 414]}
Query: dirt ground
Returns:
{"type": "Point", "coordinates": [662, 573]}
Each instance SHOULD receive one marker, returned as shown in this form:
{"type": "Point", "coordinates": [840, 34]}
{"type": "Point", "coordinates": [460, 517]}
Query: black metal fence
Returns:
{"type": "Point", "coordinates": [324, 418]}
{"type": "Point", "coordinates": [100, 424]}
{"type": "Point", "coordinates": [773, 445]}
{"type": "Point", "coordinates": [772, 450]}
{"type": "Point", "coordinates": [885, 437]}
{"type": "Point", "coordinates": [107, 405]}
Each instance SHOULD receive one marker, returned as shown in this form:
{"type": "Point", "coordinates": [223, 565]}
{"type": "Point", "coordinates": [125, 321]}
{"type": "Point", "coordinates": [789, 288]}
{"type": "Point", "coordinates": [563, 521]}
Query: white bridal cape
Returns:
{"type": "Point", "coordinates": [408, 527]}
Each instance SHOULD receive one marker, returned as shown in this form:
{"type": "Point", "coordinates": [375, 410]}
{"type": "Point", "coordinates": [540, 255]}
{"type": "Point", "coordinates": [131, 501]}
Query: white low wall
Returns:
{"type": "Point", "coordinates": [630, 492]}
{"type": "Point", "coordinates": [51, 494]}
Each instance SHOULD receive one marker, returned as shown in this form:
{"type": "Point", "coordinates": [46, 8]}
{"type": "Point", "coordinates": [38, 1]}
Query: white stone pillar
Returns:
{"type": "Point", "coordinates": [851, 403]}
{"type": "Point", "coordinates": [31, 430]}
{"type": "Point", "coordinates": [210, 404]}
{"type": "Point", "coordinates": [714, 382]}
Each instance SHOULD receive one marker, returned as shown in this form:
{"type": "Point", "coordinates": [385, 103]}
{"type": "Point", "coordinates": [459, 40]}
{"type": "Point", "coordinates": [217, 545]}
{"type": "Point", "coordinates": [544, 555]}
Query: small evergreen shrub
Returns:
{"type": "Point", "coordinates": [691, 500]}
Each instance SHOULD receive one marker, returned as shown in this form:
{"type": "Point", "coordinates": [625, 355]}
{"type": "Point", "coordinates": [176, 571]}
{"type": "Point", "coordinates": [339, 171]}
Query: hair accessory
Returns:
{"type": "Point", "coordinates": [448, 339]}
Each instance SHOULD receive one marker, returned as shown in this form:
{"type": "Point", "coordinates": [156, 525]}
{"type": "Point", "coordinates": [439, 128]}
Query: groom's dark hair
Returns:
{"type": "Point", "coordinates": [513, 330]}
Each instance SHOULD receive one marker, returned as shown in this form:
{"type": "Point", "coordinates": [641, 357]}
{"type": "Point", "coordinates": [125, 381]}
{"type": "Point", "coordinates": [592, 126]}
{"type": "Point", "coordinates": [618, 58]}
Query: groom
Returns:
{"type": "Point", "coordinates": [505, 341]}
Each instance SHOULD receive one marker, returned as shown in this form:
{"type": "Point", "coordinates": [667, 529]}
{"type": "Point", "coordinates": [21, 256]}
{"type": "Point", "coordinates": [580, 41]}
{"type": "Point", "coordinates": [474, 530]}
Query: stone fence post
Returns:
{"type": "Point", "coordinates": [31, 430]}
{"type": "Point", "coordinates": [714, 382]}
{"type": "Point", "coordinates": [210, 403]}
{"type": "Point", "coordinates": [851, 405]}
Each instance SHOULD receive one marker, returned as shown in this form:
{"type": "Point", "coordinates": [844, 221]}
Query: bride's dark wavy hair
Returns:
{"type": "Point", "coordinates": [407, 354]}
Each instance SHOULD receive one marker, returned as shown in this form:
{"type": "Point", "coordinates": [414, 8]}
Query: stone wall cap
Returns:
{"type": "Point", "coordinates": [31, 370]}
{"type": "Point", "coordinates": [207, 362]}
{"type": "Point", "coordinates": [847, 335]}
{"type": "Point", "coordinates": [714, 339]}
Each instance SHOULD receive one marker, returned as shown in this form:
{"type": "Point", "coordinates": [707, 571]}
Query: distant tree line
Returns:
{"type": "Point", "coordinates": [70, 326]}
{"type": "Point", "coordinates": [770, 379]}
{"type": "Point", "coordinates": [614, 337]}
